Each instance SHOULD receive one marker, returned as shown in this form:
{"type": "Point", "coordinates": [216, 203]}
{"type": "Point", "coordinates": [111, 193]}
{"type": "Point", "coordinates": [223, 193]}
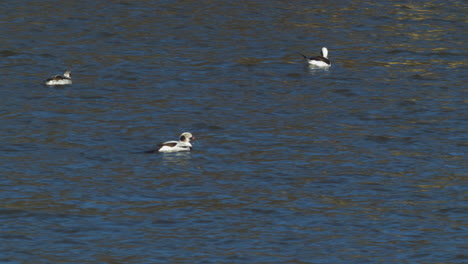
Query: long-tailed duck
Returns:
{"type": "Point", "coordinates": [60, 79]}
{"type": "Point", "coordinates": [176, 146]}
{"type": "Point", "coordinates": [319, 61]}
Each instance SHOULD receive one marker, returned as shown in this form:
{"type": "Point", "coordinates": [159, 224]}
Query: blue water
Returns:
{"type": "Point", "coordinates": [361, 163]}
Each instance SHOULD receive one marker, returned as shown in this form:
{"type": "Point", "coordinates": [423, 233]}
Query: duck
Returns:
{"type": "Point", "coordinates": [60, 79]}
{"type": "Point", "coordinates": [321, 61]}
{"type": "Point", "coordinates": [177, 146]}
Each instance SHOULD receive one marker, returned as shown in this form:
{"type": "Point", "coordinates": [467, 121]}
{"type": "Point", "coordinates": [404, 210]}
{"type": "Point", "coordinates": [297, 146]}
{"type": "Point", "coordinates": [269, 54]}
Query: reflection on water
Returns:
{"type": "Point", "coordinates": [176, 159]}
{"type": "Point", "coordinates": [317, 70]}
{"type": "Point", "coordinates": [358, 163]}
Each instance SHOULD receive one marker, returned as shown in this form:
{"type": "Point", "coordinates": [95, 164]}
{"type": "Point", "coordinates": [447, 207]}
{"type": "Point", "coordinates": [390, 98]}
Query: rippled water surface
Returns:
{"type": "Point", "coordinates": [361, 163]}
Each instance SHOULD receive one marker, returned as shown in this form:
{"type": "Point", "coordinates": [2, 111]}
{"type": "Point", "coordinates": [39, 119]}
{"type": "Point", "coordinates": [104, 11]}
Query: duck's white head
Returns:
{"type": "Point", "coordinates": [325, 52]}
{"type": "Point", "coordinates": [186, 137]}
{"type": "Point", "coordinates": [67, 74]}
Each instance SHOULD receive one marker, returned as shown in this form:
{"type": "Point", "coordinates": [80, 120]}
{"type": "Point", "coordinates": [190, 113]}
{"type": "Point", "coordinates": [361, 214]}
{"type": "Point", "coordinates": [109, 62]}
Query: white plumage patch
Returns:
{"type": "Point", "coordinates": [177, 148]}
{"type": "Point", "coordinates": [58, 82]}
{"type": "Point", "coordinates": [318, 63]}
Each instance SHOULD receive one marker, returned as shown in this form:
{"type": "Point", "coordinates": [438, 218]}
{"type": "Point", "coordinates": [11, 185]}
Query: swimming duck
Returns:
{"type": "Point", "coordinates": [60, 79]}
{"type": "Point", "coordinates": [176, 146]}
{"type": "Point", "coordinates": [319, 61]}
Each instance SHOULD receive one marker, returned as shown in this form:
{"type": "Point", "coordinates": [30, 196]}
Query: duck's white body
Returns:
{"type": "Point", "coordinates": [319, 61]}
{"type": "Point", "coordinates": [60, 79]}
{"type": "Point", "coordinates": [178, 146]}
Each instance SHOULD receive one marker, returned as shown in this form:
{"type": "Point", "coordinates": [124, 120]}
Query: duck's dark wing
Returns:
{"type": "Point", "coordinates": [168, 144]}
{"type": "Point", "coordinates": [57, 78]}
{"type": "Point", "coordinates": [52, 78]}
{"type": "Point", "coordinates": [320, 58]}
